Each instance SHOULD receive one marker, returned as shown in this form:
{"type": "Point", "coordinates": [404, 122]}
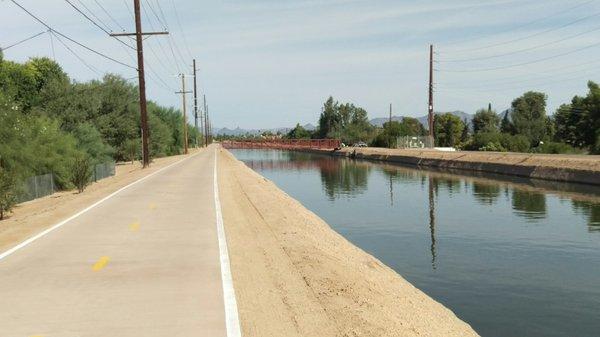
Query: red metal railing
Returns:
{"type": "Point", "coordinates": [284, 144]}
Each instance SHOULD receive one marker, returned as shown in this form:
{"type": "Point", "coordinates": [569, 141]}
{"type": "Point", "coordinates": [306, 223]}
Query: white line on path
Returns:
{"type": "Point", "coordinates": [232, 322]}
{"type": "Point", "coordinates": [60, 224]}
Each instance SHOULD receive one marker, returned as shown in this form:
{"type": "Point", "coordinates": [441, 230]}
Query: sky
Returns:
{"type": "Point", "coordinates": [272, 63]}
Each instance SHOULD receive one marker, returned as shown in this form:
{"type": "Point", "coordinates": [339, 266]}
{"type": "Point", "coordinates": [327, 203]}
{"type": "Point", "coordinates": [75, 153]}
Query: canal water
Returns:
{"type": "Point", "coordinates": [510, 256]}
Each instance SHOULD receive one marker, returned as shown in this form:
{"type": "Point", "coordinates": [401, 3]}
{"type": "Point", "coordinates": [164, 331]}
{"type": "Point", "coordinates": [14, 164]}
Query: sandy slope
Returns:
{"type": "Point", "coordinates": [295, 276]}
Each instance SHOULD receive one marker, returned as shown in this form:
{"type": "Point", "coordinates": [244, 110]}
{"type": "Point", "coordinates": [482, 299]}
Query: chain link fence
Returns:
{"type": "Point", "coordinates": [37, 187]}
{"type": "Point", "coordinates": [102, 171]}
{"type": "Point", "coordinates": [415, 142]}
{"type": "Point", "coordinates": [44, 185]}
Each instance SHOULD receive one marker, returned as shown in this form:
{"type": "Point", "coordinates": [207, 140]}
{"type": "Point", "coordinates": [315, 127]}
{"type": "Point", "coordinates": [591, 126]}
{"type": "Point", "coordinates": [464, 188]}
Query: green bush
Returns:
{"type": "Point", "coordinates": [557, 148]}
{"type": "Point", "coordinates": [501, 142]}
{"type": "Point", "coordinates": [81, 172]}
{"type": "Point", "coordinates": [515, 143]}
{"type": "Point", "coordinates": [8, 192]}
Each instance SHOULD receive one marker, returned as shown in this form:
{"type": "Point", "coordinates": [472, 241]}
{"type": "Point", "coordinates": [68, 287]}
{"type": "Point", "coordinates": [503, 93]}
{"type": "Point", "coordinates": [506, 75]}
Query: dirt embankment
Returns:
{"type": "Point", "coordinates": [568, 168]}
{"type": "Point", "coordinates": [295, 276]}
{"type": "Point", "coordinates": [32, 217]}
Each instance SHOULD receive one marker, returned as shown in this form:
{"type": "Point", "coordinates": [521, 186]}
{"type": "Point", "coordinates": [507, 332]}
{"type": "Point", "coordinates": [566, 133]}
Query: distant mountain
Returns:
{"type": "Point", "coordinates": [254, 132]}
{"type": "Point", "coordinates": [423, 120]}
{"type": "Point", "coordinates": [240, 132]}
{"type": "Point", "coordinates": [309, 127]}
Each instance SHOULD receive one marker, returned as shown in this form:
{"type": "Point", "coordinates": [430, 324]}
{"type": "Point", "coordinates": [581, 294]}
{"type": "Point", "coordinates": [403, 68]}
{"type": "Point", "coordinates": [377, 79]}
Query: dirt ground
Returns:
{"type": "Point", "coordinates": [295, 276]}
{"type": "Point", "coordinates": [32, 217]}
{"type": "Point", "coordinates": [577, 162]}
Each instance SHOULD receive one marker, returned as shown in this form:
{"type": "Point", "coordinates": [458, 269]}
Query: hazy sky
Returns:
{"type": "Point", "coordinates": [272, 63]}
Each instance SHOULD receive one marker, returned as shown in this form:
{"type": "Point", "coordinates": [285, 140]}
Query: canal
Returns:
{"type": "Point", "coordinates": [510, 256]}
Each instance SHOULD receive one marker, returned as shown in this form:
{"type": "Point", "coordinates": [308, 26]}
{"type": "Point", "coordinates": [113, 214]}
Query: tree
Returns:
{"type": "Point", "coordinates": [529, 116]}
{"type": "Point", "coordinates": [89, 140]}
{"type": "Point", "coordinates": [578, 123]}
{"type": "Point", "coordinates": [8, 192]}
{"type": "Point", "coordinates": [506, 125]}
{"type": "Point", "coordinates": [298, 132]}
{"type": "Point", "coordinates": [448, 129]}
{"type": "Point", "coordinates": [329, 121]}
{"type": "Point", "coordinates": [411, 127]}
{"type": "Point", "coordinates": [485, 120]}
{"type": "Point", "coordinates": [345, 121]}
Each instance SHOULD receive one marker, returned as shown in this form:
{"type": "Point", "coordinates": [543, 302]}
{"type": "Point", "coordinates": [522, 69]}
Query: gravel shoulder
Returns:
{"type": "Point", "coordinates": [295, 276]}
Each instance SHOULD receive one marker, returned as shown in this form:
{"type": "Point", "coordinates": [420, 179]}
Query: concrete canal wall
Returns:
{"type": "Point", "coordinates": [565, 168]}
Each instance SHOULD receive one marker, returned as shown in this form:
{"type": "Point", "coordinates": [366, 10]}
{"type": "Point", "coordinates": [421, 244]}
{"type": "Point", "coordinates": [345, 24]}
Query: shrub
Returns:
{"type": "Point", "coordinates": [557, 148]}
{"type": "Point", "coordinates": [515, 143]}
{"type": "Point", "coordinates": [131, 149]}
{"type": "Point", "coordinates": [81, 172]}
{"type": "Point", "coordinates": [502, 142]}
{"type": "Point", "coordinates": [8, 192]}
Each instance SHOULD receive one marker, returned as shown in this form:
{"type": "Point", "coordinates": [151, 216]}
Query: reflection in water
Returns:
{"type": "Point", "coordinates": [391, 192]}
{"type": "Point", "coordinates": [343, 178]}
{"type": "Point", "coordinates": [432, 190]}
{"type": "Point", "coordinates": [487, 194]}
{"type": "Point", "coordinates": [591, 210]}
{"type": "Point", "coordinates": [528, 204]}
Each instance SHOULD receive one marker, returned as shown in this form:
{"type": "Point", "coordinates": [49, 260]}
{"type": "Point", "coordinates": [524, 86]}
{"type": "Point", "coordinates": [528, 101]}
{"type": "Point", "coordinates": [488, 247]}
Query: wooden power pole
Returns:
{"type": "Point", "coordinates": [185, 130]}
{"type": "Point", "coordinates": [139, 37]}
{"type": "Point", "coordinates": [205, 121]}
{"type": "Point", "coordinates": [430, 107]}
{"type": "Point", "coordinates": [196, 102]}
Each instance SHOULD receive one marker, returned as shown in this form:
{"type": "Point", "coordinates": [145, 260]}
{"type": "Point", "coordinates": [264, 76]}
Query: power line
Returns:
{"type": "Point", "coordinates": [52, 46]}
{"type": "Point", "coordinates": [513, 28]}
{"type": "Point", "coordinates": [129, 9]}
{"type": "Point", "coordinates": [172, 42]}
{"type": "Point", "coordinates": [511, 80]}
{"type": "Point", "coordinates": [155, 14]}
{"type": "Point", "coordinates": [160, 44]}
{"type": "Point", "coordinates": [95, 23]}
{"type": "Point", "coordinates": [520, 50]}
{"type": "Point", "coordinates": [23, 41]}
{"type": "Point", "coordinates": [512, 87]}
{"type": "Point", "coordinates": [109, 16]}
{"type": "Point", "coordinates": [70, 39]}
{"type": "Point", "coordinates": [533, 35]}
{"type": "Point", "coordinates": [521, 64]}
{"type": "Point", "coordinates": [89, 66]}
{"type": "Point", "coordinates": [185, 43]}
{"type": "Point", "coordinates": [93, 14]}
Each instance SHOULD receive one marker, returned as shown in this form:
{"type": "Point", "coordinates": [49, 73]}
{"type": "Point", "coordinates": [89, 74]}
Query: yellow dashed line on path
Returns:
{"type": "Point", "coordinates": [135, 226]}
{"type": "Point", "coordinates": [152, 206]}
{"type": "Point", "coordinates": [101, 263]}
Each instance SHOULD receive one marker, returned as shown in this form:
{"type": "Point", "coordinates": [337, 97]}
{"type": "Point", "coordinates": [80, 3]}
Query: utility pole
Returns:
{"type": "Point", "coordinates": [196, 102]}
{"type": "Point", "coordinates": [205, 121]}
{"type": "Point", "coordinates": [139, 37]}
{"type": "Point", "coordinates": [430, 107]}
{"type": "Point", "coordinates": [185, 130]}
{"type": "Point", "coordinates": [209, 132]}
